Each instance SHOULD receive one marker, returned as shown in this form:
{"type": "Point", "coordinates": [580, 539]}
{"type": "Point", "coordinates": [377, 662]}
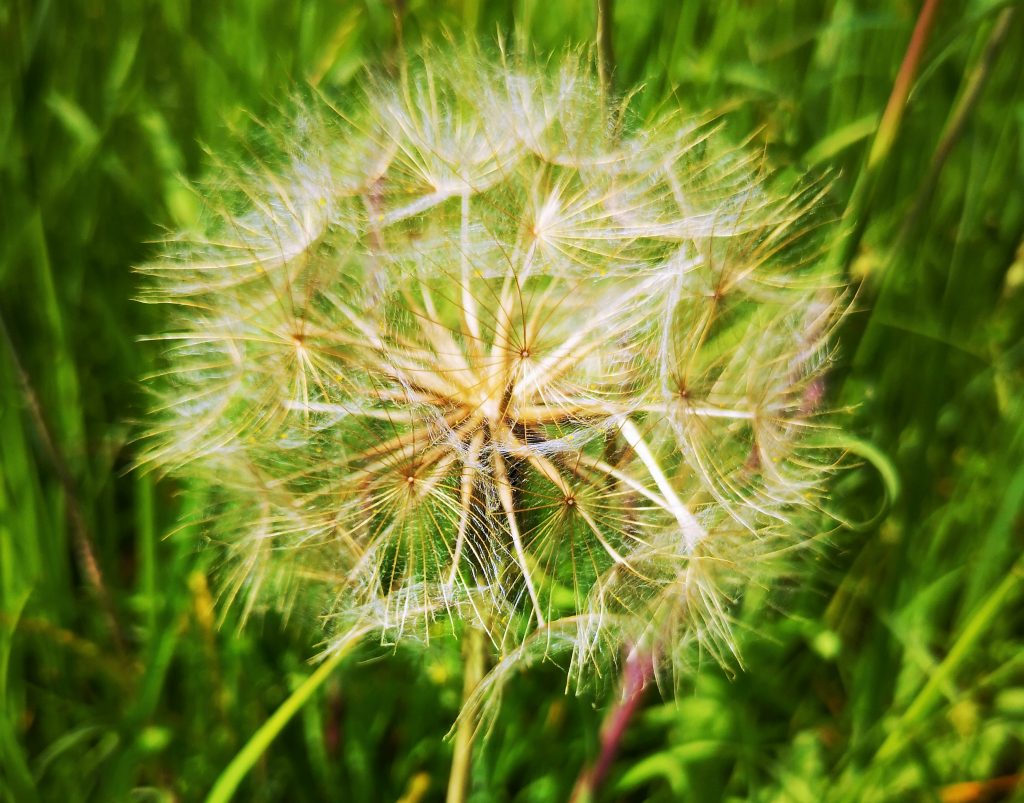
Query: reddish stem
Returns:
{"type": "Point", "coordinates": [638, 672]}
{"type": "Point", "coordinates": [857, 210]}
{"type": "Point", "coordinates": [893, 114]}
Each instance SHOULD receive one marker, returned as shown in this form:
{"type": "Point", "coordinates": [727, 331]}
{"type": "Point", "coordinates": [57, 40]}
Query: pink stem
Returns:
{"type": "Point", "coordinates": [638, 672]}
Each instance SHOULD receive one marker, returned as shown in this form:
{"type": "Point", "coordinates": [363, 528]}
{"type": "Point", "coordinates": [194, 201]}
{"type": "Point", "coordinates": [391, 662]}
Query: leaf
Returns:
{"type": "Point", "coordinates": [842, 138]}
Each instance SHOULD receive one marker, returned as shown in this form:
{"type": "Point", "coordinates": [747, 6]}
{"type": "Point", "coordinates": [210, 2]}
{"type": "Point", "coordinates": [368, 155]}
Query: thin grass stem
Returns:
{"type": "Point", "coordinates": [227, 783]}
{"type": "Point", "coordinates": [857, 213]}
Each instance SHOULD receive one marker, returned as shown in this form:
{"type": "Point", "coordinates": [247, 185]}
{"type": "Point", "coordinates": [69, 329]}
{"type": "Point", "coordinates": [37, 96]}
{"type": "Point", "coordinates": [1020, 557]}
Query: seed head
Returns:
{"type": "Point", "coordinates": [475, 346]}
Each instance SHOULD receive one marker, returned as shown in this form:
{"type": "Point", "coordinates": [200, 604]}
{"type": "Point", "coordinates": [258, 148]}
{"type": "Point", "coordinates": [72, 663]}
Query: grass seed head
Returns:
{"type": "Point", "coordinates": [474, 346]}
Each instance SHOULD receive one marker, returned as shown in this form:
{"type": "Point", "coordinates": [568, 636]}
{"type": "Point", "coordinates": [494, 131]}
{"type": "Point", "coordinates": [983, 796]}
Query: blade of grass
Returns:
{"type": "Point", "coordinates": [961, 650]}
{"type": "Point", "coordinates": [145, 515]}
{"type": "Point", "coordinates": [605, 50]}
{"type": "Point", "coordinates": [227, 783]}
{"type": "Point", "coordinates": [959, 116]}
{"type": "Point", "coordinates": [84, 544]}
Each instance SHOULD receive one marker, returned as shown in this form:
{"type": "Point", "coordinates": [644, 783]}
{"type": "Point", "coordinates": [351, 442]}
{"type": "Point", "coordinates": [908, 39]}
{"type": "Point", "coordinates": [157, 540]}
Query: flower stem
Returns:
{"type": "Point", "coordinates": [473, 672]}
{"type": "Point", "coordinates": [638, 673]}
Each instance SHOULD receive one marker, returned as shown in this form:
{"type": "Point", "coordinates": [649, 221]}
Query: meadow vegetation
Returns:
{"type": "Point", "coordinates": [889, 667]}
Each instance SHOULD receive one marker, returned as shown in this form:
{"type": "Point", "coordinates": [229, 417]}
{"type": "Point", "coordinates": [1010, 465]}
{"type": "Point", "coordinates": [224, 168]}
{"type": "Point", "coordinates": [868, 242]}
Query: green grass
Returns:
{"type": "Point", "coordinates": [892, 671]}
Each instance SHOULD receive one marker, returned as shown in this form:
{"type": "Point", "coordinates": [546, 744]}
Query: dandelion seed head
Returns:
{"type": "Point", "coordinates": [469, 349]}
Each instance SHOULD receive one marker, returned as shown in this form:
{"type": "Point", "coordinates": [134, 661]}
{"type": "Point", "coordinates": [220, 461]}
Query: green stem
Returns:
{"type": "Point", "coordinates": [458, 778]}
{"type": "Point", "coordinates": [232, 776]}
{"type": "Point", "coordinates": [605, 51]}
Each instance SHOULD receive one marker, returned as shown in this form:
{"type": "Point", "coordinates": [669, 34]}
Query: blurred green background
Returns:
{"type": "Point", "coordinates": [893, 670]}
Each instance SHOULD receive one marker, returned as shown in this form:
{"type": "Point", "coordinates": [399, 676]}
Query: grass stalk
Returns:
{"type": "Point", "coordinates": [605, 48]}
{"type": "Point", "coordinates": [857, 213]}
{"type": "Point", "coordinates": [227, 783]}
